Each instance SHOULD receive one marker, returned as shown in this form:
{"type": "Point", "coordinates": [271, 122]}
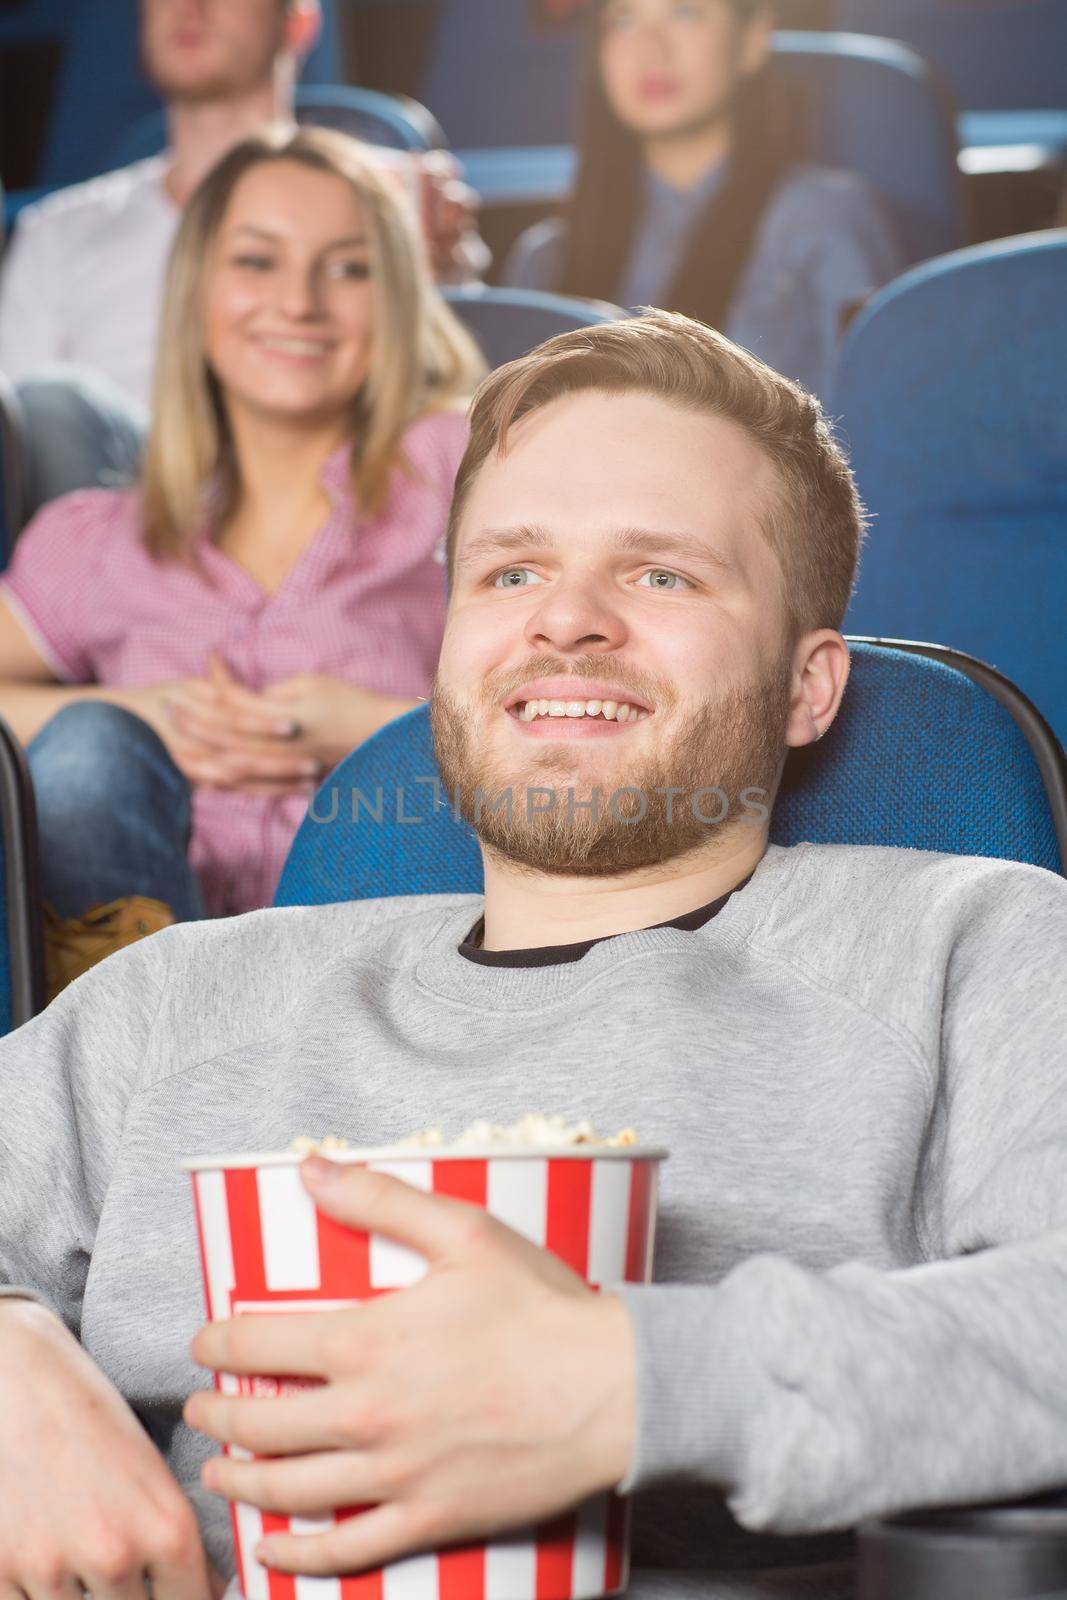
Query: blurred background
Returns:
{"type": "Point", "coordinates": [501, 78]}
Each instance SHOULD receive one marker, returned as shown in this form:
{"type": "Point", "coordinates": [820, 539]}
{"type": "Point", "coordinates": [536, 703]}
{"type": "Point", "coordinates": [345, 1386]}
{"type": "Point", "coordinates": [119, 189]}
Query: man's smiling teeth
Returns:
{"type": "Point", "coordinates": [610, 710]}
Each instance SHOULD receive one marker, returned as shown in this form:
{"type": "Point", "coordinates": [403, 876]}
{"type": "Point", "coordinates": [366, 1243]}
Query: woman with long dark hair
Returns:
{"type": "Point", "coordinates": [693, 194]}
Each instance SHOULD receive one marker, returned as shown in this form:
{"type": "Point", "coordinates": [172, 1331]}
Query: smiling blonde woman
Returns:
{"type": "Point", "coordinates": [186, 659]}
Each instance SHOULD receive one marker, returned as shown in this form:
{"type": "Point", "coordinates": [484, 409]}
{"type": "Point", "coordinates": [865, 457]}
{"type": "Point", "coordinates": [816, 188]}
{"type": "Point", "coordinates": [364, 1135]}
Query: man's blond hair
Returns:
{"type": "Point", "coordinates": [815, 522]}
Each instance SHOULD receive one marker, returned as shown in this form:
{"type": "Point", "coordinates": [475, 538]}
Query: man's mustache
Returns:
{"type": "Point", "coordinates": [499, 685]}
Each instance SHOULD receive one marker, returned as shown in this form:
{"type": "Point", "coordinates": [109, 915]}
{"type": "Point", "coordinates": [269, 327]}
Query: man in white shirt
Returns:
{"type": "Point", "coordinates": [83, 278]}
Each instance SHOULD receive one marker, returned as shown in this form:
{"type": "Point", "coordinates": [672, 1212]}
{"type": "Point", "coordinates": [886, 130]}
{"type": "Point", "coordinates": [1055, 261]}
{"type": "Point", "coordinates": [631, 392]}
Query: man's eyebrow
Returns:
{"type": "Point", "coordinates": [653, 542]}
{"type": "Point", "coordinates": [525, 539]}
{"type": "Point", "coordinates": [502, 542]}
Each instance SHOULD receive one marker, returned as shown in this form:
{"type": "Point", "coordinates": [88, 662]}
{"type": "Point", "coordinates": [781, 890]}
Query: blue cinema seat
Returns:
{"type": "Point", "coordinates": [508, 323]}
{"type": "Point", "coordinates": [379, 119]}
{"type": "Point", "coordinates": [1005, 60]}
{"type": "Point", "coordinates": [931, 751]}
{"type": "Point", "coordinates": [868, 104]}
{"type": "Point", "coordinates": [952, 394]}
{"type": "Point", "coordinates": [873, 105]}
{"type": "Point", "coordinates": [12, 474]}
{"type": "Point", "coordinates": [21, 949]}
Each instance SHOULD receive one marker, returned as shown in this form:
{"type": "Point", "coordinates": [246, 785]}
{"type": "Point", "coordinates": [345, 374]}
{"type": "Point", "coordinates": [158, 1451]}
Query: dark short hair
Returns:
{"type": "Point", "coordinates": [815, 522]}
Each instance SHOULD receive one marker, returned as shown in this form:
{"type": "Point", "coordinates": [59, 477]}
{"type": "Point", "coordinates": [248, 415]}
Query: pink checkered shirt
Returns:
{"type": "Point", "coordinates": [365, 602]}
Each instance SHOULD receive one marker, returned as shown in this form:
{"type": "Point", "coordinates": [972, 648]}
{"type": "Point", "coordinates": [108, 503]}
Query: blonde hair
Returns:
{"type": "Point", "coordinates": [422, 358]}
{"type": "Point", "coordinates": [815, 523]}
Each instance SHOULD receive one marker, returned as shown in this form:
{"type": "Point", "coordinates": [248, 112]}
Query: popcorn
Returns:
{"type": "Point", "coordinates": [536, 1129]}
{"type": "Point", "coordinates": [533, 1130]}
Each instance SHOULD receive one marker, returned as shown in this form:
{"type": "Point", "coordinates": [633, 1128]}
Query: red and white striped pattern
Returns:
{"type": "Point", "coordinates": [265, 1248]}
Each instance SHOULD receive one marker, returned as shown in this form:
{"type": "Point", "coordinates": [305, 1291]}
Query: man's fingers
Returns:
{"type": "Point", "coordinates": [103, 1587]}
{"type": "Point", "coordinates": [31, 1587]}
{"type": "Point", "coordinates": [279, 1425]}
{"type": "Point", "coordinates": [184, 1573]}
{"type": "Point", "coordinates": [432, 1225]}
{"type": "Point", "coordinates": [371, 1539]}
{"type": "Point", "coordinates": [298, 1486]}
{"type": "Point", "coordinates": [301, 1345]}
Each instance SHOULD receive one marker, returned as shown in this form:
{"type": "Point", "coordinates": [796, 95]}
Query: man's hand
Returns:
{"type": "Point", "coordinates": [86, 1501]}
{"type": "Point", "coordinates": [494, 1393]}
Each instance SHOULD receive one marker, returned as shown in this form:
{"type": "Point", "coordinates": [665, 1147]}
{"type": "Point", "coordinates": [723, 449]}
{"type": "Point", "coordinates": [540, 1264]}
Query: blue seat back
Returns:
{"type": "Point", "coordinates": [995, 54]}
{"type": "Point", "coordinates": [363, 113]}
{"type": "Point", "coordinates": [921, 756]}
{"type": "Point", "coordinates": [21, 949]}
{"type": "Point", "coordinates": [952, 394]}
{"type": "Point", "coordinates": [507, 323]}
{"type": "Point", "coordinates": [12, 471]}
{"type": "Point", "coordinates": [873, 106]}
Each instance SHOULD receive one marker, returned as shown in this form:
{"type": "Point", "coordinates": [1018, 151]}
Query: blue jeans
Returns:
{"type": "Point", "coordinates": [81, 432]}
{"type": "Point", "coordinates": [114, 814]}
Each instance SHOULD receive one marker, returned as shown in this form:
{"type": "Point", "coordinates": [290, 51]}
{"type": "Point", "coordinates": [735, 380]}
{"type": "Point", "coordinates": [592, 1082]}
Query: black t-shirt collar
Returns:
{"type": "Point", "coordinates": [553, 955]}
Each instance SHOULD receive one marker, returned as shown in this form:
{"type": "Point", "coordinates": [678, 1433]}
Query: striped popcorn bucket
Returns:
{"type": "Point", "coordinates": [266, 1249]}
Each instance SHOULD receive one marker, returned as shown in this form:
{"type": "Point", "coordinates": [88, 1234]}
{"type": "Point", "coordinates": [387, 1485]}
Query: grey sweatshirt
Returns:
{"type": "Point", "coordinates": [860, 1069]}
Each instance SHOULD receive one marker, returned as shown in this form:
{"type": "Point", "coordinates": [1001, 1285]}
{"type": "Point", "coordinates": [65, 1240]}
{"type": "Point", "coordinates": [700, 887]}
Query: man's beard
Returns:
{"type": "Point", "coordinates": [198, 86]}
{"type": "Point", "coordinates": [723, 764]}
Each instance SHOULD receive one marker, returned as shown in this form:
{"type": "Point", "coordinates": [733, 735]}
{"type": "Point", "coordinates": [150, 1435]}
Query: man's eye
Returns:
{"type": "Point", "coordinates": [515, 578]}
{"type": "Point", "coordinates": [660, 578]}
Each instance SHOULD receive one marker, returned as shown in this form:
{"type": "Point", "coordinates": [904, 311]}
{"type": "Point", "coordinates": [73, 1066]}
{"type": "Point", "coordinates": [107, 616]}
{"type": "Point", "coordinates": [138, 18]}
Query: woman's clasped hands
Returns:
{"type": "Point", "coordinates": [276, 742]}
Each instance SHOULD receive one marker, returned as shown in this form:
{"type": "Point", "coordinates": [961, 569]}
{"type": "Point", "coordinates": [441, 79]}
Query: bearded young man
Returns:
{"type": "Point", "coordinates": [855, 1056]}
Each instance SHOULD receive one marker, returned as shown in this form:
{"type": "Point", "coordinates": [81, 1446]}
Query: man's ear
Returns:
{"type": "Point", "coordinates": [820, 672]}
{"type": "Point", "coordinates": [303, 24]}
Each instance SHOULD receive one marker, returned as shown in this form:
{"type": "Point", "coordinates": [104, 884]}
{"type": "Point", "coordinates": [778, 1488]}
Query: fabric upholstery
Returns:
{"type": "Point", "coordinates": [21, 959]}
{"type": "Point", "coordinates": [507, 323]}
{"type": "Point", "coordinates": [872, 105]}
{"type": "Point", "coordinates": [12, 474]}
{"type": "Point", "coordinates": [920, 757]}
{"type": "Point", "coordinates": [6, 1020]}
{"type": "Point", "coordinates": [996, 54]}
{"type": "Point", "coordinates": [362, 113]}
{"type": "Point", "coordinates": [952, 396]}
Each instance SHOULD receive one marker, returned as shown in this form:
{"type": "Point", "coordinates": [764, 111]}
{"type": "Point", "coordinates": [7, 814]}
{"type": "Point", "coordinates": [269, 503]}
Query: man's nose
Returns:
{"type": "Point", "coordinates": [578, 617]}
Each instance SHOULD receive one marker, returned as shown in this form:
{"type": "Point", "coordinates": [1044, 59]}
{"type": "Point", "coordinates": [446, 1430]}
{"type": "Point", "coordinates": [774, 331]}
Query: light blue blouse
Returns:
{"type": "Point", "coordinates": [825, 242]}
{"type": "Point", "coordinates": [668, 219]}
